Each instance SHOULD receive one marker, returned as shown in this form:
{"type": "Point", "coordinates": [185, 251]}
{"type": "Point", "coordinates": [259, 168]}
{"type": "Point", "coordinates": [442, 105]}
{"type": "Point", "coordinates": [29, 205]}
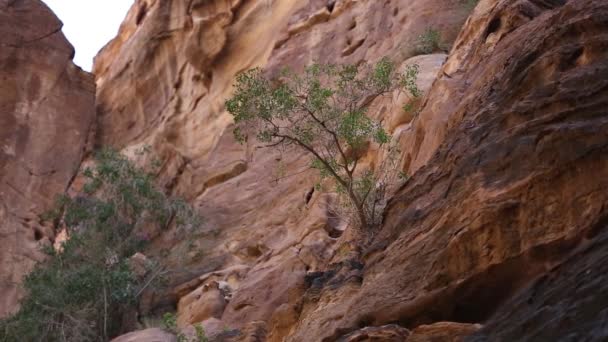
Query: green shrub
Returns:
{"type": "Point", "coordinates": [428, 42]}
{"type": "Point", "coordinates": [323, 112]}
{"type": "Point", "coordinates": [81, 291]}
{"type": "Point", "coordinates": [170, 324]}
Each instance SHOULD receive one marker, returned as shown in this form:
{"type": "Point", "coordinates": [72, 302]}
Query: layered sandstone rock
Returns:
{"type": "Point", "coordinates": [567, 303]}
{"type": "Point", "coordinates": [502, 222]}
{"type": "Point", "coordinates": [510, 186]}
{"type": "Point", "coordinates": [163, 82]}
{"type": "Point", "coordinates": [47, 106]}
{"type": "Point", "coordinates": [443, 332]}
{"type": "Point", "coordinates": [507, 157]}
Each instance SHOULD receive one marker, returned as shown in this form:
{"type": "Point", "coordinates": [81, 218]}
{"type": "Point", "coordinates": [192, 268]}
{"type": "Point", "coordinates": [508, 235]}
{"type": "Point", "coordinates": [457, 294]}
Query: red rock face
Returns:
{"type": "Point", "coordinates": [501, 224]}
{"type": "Point", "coordinates": [506, 156]}
{"type": "Point", "coordinates": [568, 302]}
{"type": "Point", "coordinates": [517, 185]}
{"type": "Point", "coordinates": [46, 112]}
{"type": "Point", "coordinates": [163, 82]}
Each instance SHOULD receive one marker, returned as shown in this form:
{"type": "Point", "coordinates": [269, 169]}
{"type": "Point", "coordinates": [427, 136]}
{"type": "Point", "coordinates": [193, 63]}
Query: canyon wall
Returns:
{"type": "Point", "coordinates": [163, 82]}
{"type": "Point", "coordinates": [502, 154]}
{"type": "Point", "coordinates": [498, 234]}
{"type": "Point", "coordinates": [507, 155]}
{"type": "Point", "coordinates": [47, 107]}
{"type": "Point", "coordinates": [517, 186]}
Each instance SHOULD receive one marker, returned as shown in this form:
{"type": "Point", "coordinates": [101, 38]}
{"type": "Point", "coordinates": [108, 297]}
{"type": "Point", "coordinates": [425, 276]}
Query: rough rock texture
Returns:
{"type": "Point", "coordinates": [514, 181]}
{"type": "Point", "coordinates": [502, 222]}
{"type": "Point", "coordinates": [442, 332]}
{"type": "Point", "coordinates": [148, 335]}
{"type": "Point", "coordinates": [47, 106]}
{"type": "Point", "coordinates": [387, 333]}
{"type": "Point", "coordinates": [507, 156]}
{"type": "Point", "coordinates": [206, 302]}
{"type": "Point", "coordinates": [163, 82]}
{"type": "Point", "coordinates": [569, 303]}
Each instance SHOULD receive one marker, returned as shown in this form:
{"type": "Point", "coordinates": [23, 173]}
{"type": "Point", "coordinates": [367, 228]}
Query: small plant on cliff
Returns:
{"type": "Point", "coordinates": [83, 289]}
{"type": "Point", "coordinates": [428, 42]}
{"type": "Point", "coordinates": [324, 112]}
{"type": "Point", "coordinates": [170, 324]}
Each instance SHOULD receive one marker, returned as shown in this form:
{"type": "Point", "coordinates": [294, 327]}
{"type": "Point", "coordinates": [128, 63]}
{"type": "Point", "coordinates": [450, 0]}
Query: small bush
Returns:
{"type": "Point", "coordinates": [81, 291]}
{"type": "Point", "coordinates": [324, 112]}
{"type": "Point", "coordinates": [428, 42]}
{"type": "Point", "coordinates": [170, 325]}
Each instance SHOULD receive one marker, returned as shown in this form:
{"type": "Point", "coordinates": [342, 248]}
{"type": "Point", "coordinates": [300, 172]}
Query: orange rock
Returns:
{"type": "Point", "coordinates": [163, 82]}
{"type": "Point", "coordinates": [208, 301]}
{"type": "Point", "coordinates": [507, 158]}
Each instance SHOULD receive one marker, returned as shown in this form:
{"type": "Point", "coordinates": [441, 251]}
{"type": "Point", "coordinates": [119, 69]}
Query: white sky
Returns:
{"type": "Point", "coordinates": [89, 24]}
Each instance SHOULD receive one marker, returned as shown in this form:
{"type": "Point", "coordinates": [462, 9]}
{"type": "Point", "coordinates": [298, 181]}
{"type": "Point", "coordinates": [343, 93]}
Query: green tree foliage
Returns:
{"type": "Point", "coordinates": [324, 112]}
{"type": "Point", "coordinates": [81, 291]}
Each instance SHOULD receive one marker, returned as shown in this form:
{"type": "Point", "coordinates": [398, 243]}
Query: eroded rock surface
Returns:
{"type": "Point", "coordinates": [163, 82]}
{"type": "Point", "coordinates": [47, 106]}
{"type": "Point", "coordinates": [569, 303]}
{"type": "Point", "coordinates": [208, 301]}
{"type": "Point", "coordinates": [443, 332]}
{"type": "Point", "coordinates": [517, 183]}
{"type": "Point", "coordinates": [501, 223]}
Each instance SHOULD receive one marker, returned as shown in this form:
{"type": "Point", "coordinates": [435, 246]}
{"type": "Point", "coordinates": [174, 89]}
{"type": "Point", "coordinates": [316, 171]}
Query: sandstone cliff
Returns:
{"type": "Point", "coordinates": [47, 106]}
{"type": "Point", "coordinates": [163, 81]}
{"type": "Point", "coordinates": [506, 154]}
{"type": "Point", "coordinates": [517, 184]}
{"type": "Point", "coordinates": [498, 235]}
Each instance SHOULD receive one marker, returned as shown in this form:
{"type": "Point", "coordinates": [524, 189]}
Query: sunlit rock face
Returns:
{"type": "Point", "coordinates": [163, 82]}
{"type": "Point", "coordinates": [47, 107]}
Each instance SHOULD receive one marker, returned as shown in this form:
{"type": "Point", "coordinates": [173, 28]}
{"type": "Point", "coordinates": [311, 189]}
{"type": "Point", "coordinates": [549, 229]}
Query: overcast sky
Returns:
{"type": "Point", "coordinates": [89, 24]}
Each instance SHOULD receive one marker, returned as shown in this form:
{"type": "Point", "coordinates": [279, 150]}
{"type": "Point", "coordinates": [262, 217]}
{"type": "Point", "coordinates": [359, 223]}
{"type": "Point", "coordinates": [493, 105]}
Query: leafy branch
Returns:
{"type": "Point", "coordinates": [323, 111]}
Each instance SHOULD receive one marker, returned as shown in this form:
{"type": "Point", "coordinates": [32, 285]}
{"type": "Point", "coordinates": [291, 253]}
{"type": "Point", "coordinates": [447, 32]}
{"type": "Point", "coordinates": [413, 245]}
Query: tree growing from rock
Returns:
{"type": "Point", "coordinates": [323, 111]}
{"type": "Point", "coordinates": [83, 289]}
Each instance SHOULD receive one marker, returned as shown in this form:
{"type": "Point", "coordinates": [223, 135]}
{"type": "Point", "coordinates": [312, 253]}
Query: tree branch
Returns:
{"type": "Point", "coordinates": [358, 204]}
{"type": "Point", "coordinates": [332, 133]}
{"type": "Point", "coordinates": [276, 144]}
